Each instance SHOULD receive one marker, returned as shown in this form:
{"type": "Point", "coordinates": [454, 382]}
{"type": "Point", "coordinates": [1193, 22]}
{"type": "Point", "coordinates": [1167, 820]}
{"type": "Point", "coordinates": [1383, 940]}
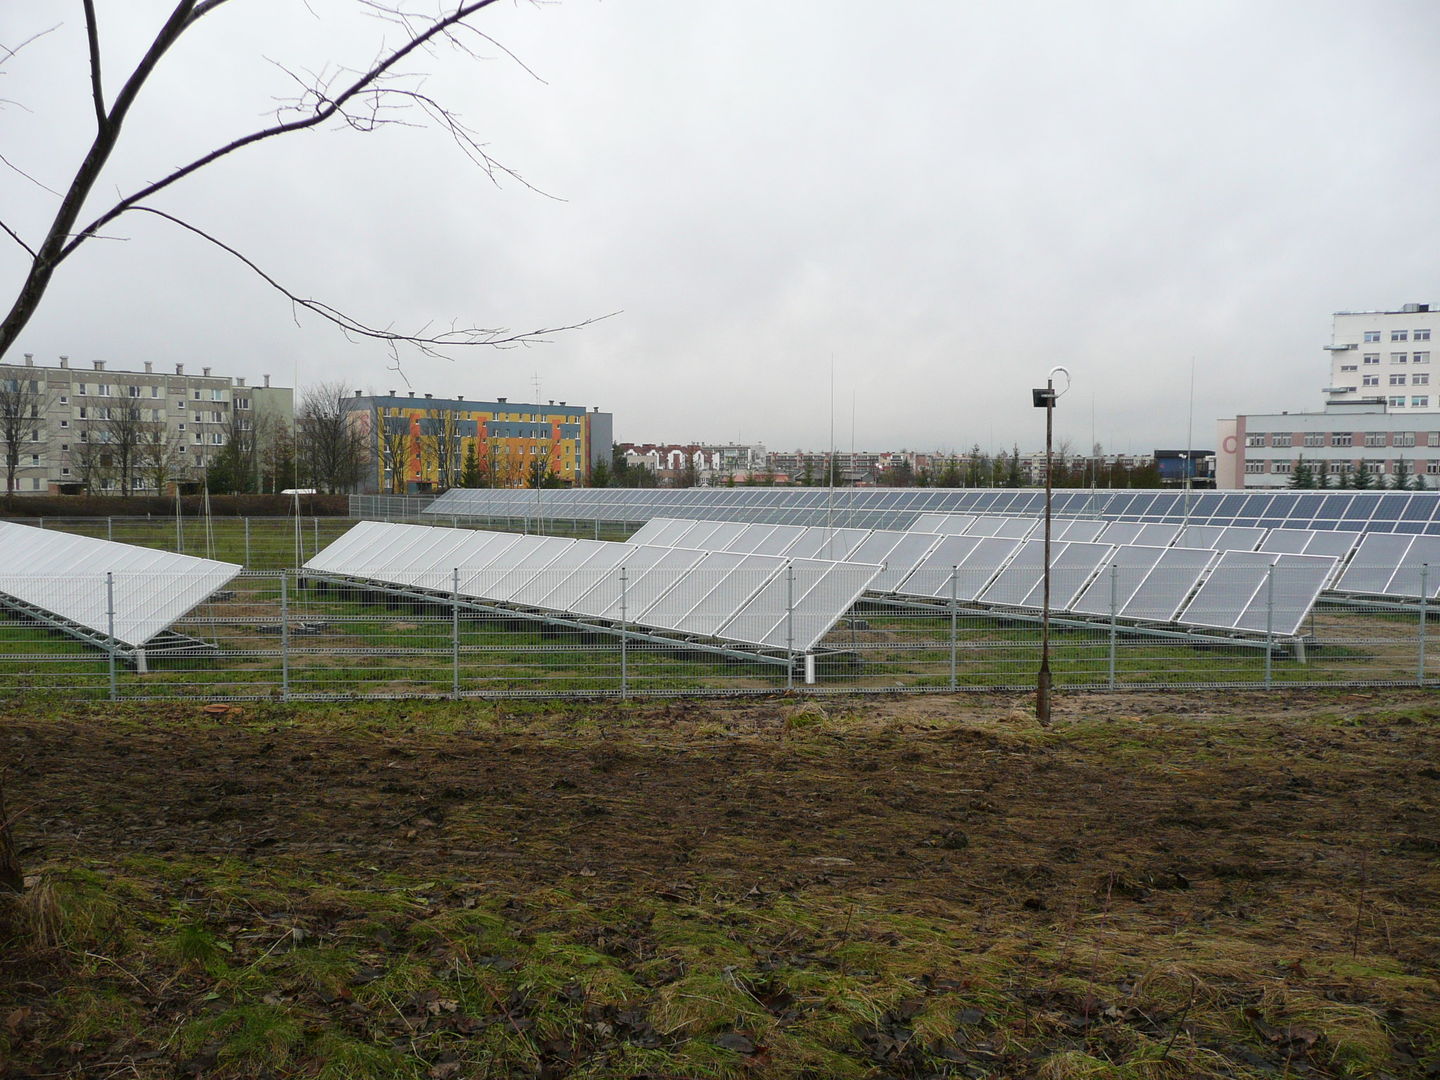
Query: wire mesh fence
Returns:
{"type": "Point", "coordinates": [530, 632]}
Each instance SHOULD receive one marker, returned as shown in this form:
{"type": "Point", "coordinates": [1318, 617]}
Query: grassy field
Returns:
{"type": "Point", "coordinates": [1166, 886]}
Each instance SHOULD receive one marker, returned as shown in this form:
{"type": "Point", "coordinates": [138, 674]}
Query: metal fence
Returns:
{"type": "Point", "coordinates": [278, 634]}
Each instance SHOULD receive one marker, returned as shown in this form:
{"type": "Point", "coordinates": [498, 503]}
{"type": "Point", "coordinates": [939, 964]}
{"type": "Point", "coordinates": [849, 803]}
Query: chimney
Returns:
{"type": "Point", "coordinates": [267, 380]}
{"type": "Point", "coordinates": [64, 361]}
{"type": "Point", "coordinates": [562, 404]}
{"type": "Point", "coordinates": [552, 401]}
{"type": "Point", "coordinates": [205, 371]}
{"type": "Point", "coordinates": [459, 397]}
{"type": "Point", "coordinates": [240, 380]}
{"type": "Point", "coordinates": [357, 393]}
{"type": "Point", "coordinates": [596, 408]}
{"type": "Point", "coordinates": [429, 396]}
{"type": "Point", "coordinates": [500, 400]}
{"type": "Point", "coordinates": [179, 369]}
{"type": "Point", "coordinates": [29, 359]}
{"type": "Point", "coordinates": [99, 364]}
{"type": "Point", "coordinates": [392, 393]}
{"type": "Point", "coordinates": [149, 367]}
{"type": "Point", "coordinates": [412, 393]}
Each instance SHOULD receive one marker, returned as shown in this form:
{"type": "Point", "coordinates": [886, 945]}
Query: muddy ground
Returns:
{"type": "Point", "coordinates": [1249, 829]}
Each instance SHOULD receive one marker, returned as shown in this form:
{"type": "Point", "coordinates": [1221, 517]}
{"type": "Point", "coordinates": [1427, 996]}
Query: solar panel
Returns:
{"type": "Point", "coordinates": [942, 523]}
{"type": "Point", "coordinates": [1418, 572]}
{"type": "Point", "coordinates": [1253, 590]}
{"type": "Point", "coordinates": [817, 593]}
{"type": "Point", "coordinates": [637, 583]}
{"type": "Point", "coordinates": [1162, 593]}
{"type": "Point", "coordinates": [1120, 575]}
{"type": "Point", "coordinates": [714, 574]}
{"type": "Point", "coordinates": [931, 574]}
{"type": "Point", "coordinates": [1374, 563]}
{"type": "Point", "coordinates": [64, 576]}
{"type": "Point", "coordinates": [1076, 530]}
{"type": "Point", "coordinates": [908, 553]}
{"type": "Point", "coordinates": [1006, 527]}
{"type": "Point", "coordinates": [826, 544]}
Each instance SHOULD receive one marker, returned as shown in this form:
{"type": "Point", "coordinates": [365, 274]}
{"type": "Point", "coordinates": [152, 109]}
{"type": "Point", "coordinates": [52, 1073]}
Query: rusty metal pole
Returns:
{"type": "Point", "coordinates": [1042, 678]}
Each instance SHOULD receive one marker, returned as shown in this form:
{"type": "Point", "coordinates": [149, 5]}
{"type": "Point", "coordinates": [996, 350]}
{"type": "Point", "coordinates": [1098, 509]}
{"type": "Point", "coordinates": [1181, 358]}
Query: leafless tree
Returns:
{"type": "Point", "coordinates": [384, 93]}
{"type": "Point", "coordinates": [394, 443]}
{"type": "Point", "coordinates": [158, 457]}
{"type": "Point", "coordinates": [90, 463]}
{"type": "Point", "coordinates": [23, 404]}
{"type": "Point", "coordinates": [122, 429]}
{"type": "Point", "coordinates": [440, 446]}
{"type": "Point", "coordinates": [334, 448]}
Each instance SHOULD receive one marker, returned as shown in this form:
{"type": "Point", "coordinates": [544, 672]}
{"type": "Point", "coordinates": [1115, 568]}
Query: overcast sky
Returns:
{"type": "Point", "coordinates": [934, 200]}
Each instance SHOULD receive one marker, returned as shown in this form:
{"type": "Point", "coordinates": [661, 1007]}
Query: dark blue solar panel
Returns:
{"type": "Point", "coordinates": [1391, 507]}
{"type": "Point", "coordinates": [1305, 506]}
{"type": "Point", "coordinates": [1420, 508]}
{"type": "Point", "coordinates": [1334, 507]}
{"type": "Point", "coordinates": [1229, 506]}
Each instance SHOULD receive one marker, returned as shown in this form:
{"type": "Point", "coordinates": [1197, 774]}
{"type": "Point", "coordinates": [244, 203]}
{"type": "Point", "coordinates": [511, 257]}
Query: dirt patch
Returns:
{"type": "Point", "coordinates": [1228, 835]}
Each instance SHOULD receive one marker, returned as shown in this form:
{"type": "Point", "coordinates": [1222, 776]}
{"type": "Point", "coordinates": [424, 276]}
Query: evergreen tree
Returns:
{"type": "Point", "coordinates": [1418, 482]}
{"type": "Point", "coordinates": [1303, 476]}
{"type": "Point", "coordinates": [1400, 478]}
{"type": "Point", "coordinates": [470, 476]}
{"type": "Point", "coordinates": [1363, 479]}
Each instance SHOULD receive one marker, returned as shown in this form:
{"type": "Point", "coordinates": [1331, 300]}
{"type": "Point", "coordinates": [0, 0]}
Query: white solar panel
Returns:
{"type": "Point", "coordinates": [818, 592]}
{"type": "Point", "coordinates": [1165, 588]}
{"type": "Point", "coordinates": [1074, 530]}
{"type": "Point", "coordinates": [65, 575]}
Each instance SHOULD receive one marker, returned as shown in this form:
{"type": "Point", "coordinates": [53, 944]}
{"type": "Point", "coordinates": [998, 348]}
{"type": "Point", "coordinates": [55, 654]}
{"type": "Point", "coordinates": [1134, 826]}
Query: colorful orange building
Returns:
{"type": "Point", "coordinates": [420, 443]}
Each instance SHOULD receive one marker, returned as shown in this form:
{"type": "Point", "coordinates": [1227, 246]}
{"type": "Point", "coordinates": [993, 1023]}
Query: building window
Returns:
{"type": "Point", "coordinates": [81, 391]}
{"type": "Point", "coordinates": [197, 394]}
{"type": "Point", "coordinates": [1397, 380]}
{"type": "Point", "coordinates": [180, 404]}
{"type": "Point", "coordinates": [1375, 438]}
{"type": "Point", "coordinates": [1254, 440]}
{"type": "Point", "coordinates": [1422, 335]}
{"type": "Point", "coordinates": [197, 436]}
{"type": "Point", "coordinates": [1280, 467]}
{"type": "Point", "coordinates": [134, 391]}
{"type": "Point", "coordinates": [1314, 438]}
{"type": "Point", "coordinates": [1254, 466]}
{"type": "Point", "coordinates": [1370, 380]}
{"type": "Point", "coordinates": [1398, 357]}
{"type": "Point", "coordinates": [1420, 378]}
{"type": "Point", "coordinates": [1420, 401]}
{"type": "Point", "coordinates": [1397, 402]}
{"type": "Point", "coordinates": [103, 389]}
{"type": "Point", "coordinates": [1348, 367]}
{"type": "Point", "coordinates": [1340, 467]}
{"type": "Point", "coordinates": [64, 400]}
{"type": "Point", "coordinates": [1372, 358]}
{"type": "Point", "coordinates": [1405, 438]}
{"type": "Point", "coordinates": [1372, 335]}
{"type": "Point", "coordinates": [182, 427]}
{"type": "Point", "coordinates": [1280, 438]}
{"type": "Point", "coordinates": [1341, 438]}
{"type": "Point", "coordinates": [242, 403]}
{"type": "Point", "coordinates": [1420, 358]}
{"type": "Point", "coordinates": [64, 472]}
{"type": "Point", "coordinates": [1398, 335]}
{"type": "Point", "coordinates": [218, 438]}
{"type": "Point", "coordinates": [1376, 467]}
{"type": "Point", "coordinates": [1433, 439]}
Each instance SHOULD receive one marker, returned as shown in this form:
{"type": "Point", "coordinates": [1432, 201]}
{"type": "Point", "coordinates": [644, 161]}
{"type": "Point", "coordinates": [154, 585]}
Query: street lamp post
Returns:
{"type": "Point", "coordinates": [1045, 399]}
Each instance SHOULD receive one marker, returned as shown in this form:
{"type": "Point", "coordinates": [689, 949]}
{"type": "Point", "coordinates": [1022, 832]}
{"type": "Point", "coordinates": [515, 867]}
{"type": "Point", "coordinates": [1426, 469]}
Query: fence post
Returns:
{"type": "Point", "coordinates": [110, 629]}
{"type": "Point", "coordinates": [789, 626]}
{"type": "Point", "coordinates": [284, 635]}
{"type": "Point", "coordinates": [1269, 624]}
{"type": "Point", "coordinates": [315, 521]}
{"type": "Point", "coordinates": [109, 528]}
{"type": "Point", "coordinates": [624, 641]}
{"type": "Point", "coordinates": [247, 543]}
{"type": "Point", "coordinates": [954, 570]}
{"type": "Point", "coordinates": [455, 633]}
{"type": "Point", "coordinates": [1114, 605]}
{"type": "Point", "coordinates": [1424, 620]}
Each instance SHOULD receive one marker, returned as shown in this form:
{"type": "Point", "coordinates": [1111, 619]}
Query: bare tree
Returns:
{"type": "Point", "coordinates": [23, 404]}
{"type": "Point", "coordinates": [440, 446]}
{"type": "Point", "coordinates": [381, 94]}
{"type": "Point", "coordinates": [157, 455]}
{"type": "Point", "coordinates": [122, 428]}
{"type": "Point", "coordinates": [334, 449]}
{"type": "Point", "coordinates": [393, 443]}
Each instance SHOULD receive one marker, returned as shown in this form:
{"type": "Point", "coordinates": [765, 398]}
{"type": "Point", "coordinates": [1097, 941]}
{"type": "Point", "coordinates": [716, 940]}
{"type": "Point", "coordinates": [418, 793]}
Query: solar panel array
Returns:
{"type": "Point", "coordinates": [62, 578]}
{"type": "Point", "coordinates": [1357, 511]}
{"type": "Point", "coordinates": [741, 597]}
{"type": "Point", "coordinates": [1198, 584]}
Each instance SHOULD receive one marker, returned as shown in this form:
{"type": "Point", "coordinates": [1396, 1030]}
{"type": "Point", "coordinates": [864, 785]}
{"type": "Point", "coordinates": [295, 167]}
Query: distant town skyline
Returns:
{"type": "Point", "coordinates": [935, 204]}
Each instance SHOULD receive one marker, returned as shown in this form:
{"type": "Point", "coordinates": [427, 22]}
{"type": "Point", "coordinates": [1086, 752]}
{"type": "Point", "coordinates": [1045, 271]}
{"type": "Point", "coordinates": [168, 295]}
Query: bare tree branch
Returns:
{"type": "Point", "coordinates": [10, 53]}
{"type": "Point", "coordinates": [427, 342]}
{"type": "Point", "coordinates": [92, 37]}
{"type": "Point", "coordinates": [16, 237]}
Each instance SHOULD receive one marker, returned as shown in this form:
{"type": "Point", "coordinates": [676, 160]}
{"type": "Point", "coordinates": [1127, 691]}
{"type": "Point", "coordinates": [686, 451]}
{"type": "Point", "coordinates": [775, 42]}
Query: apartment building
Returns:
{"type": "Point", "coordinates": [90, 428]}
{"type": "Point", "coordinates": [423, 443]}
{"type": "Point", "coordinates": [1386, 355]}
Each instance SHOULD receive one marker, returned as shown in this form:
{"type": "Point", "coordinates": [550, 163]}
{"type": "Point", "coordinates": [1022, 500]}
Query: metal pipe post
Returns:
{"type": "Point", "coordinates": [1424, 619]}
{"type": "Point", "coordinates": [455, 633]}
{"type": "Point", "coordinates": [953, 628]}
{"type": "Point", "coordinates": [1114, 597]}
{"type": "Point", "coordinates": [1269, 624]}
{"type": "Point", "coordinates": [624, 641]}
{"type": "Point", "coordinates": [789, 626]}
{"type": "Point", "coordinates": [1042, 677]}
{"type": "Point", "coordinates": [247, 543]}
{"type": "Point", "coordinates": [284, 635]}
{"type": "Point", "coordinates": [110, 629]}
